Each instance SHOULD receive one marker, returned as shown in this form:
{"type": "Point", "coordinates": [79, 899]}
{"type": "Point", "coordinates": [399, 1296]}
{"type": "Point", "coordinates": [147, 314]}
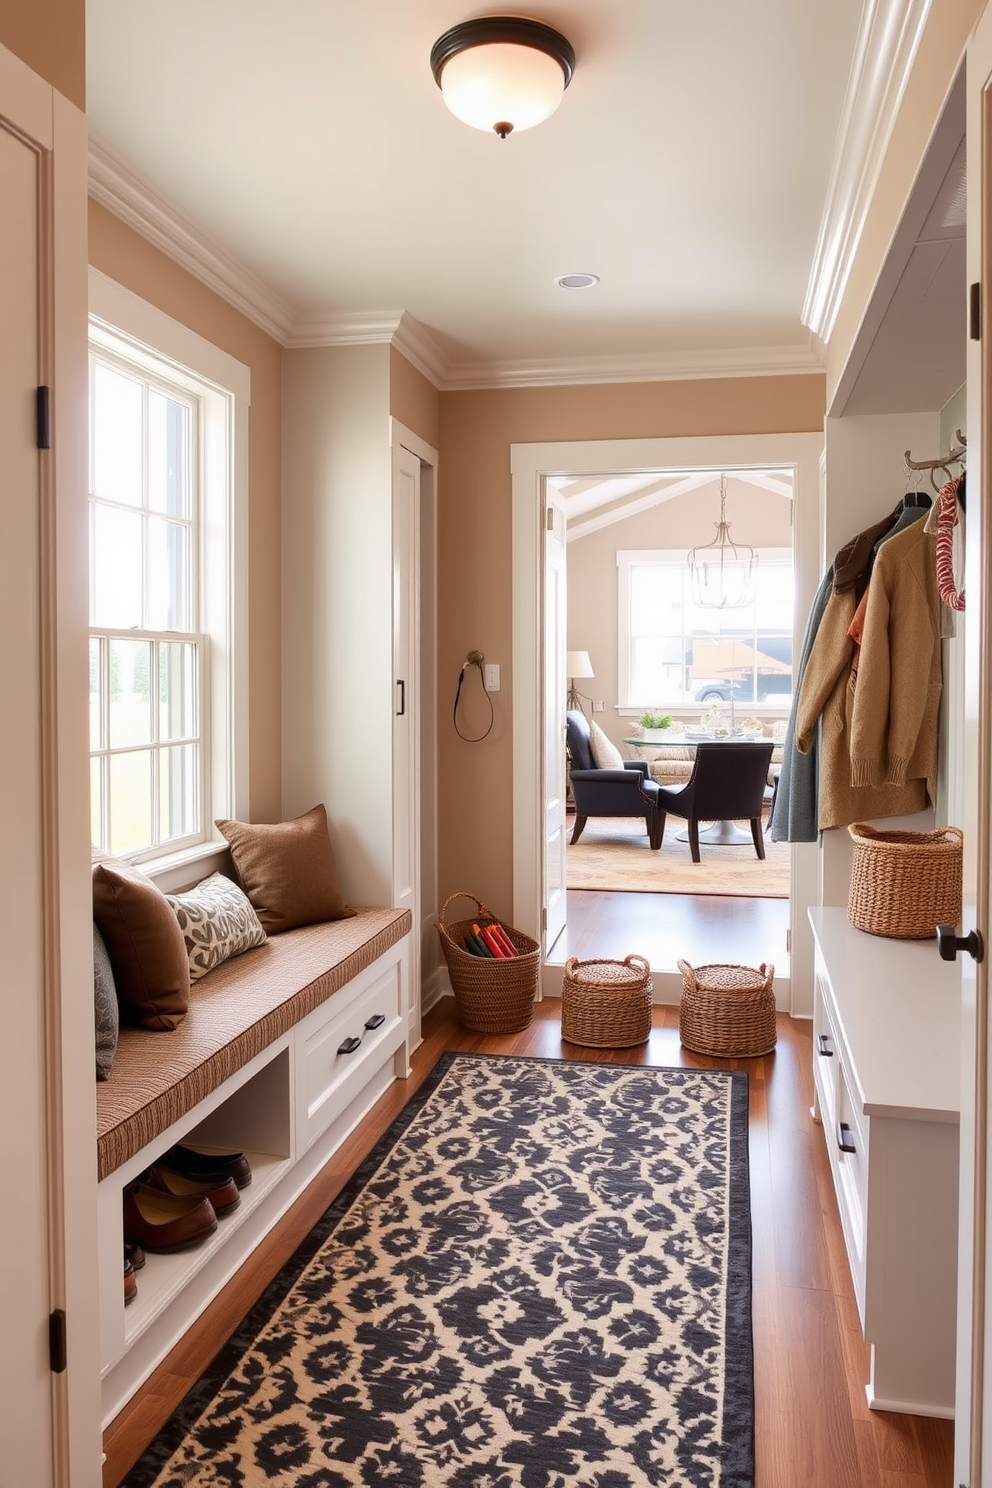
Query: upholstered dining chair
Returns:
{"type": "Point", "coordinates": [626, 792]}
{"type": "Point", "coordinates": [727, 784]}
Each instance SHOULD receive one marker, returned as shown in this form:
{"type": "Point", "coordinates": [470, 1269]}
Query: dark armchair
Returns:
{"type": "Point", "coordinates": [626, 792]}
{"type": "Point", "coordinates": [727, 784]}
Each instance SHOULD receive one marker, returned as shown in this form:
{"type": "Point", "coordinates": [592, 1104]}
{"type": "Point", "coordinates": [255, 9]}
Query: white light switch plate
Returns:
{"type": "Point", "coordinates": [492, 676]}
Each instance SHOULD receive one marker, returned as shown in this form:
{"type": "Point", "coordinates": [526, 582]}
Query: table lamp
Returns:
{"type": "Point", "coordinates": [577, 664]}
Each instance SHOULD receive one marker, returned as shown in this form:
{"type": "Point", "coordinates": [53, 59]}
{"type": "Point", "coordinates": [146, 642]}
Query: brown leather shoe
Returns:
{"type": "Point", "coordinates": [165, 1222]}
{"type": "Point", "coordinates": [195, 1164]}
{"type": "Point", "coordinates": [222, 1192]}
{"type": "Point", "coordinates": [130, 1282]}
{"type": "Point", "coordinates": [134, 1254]}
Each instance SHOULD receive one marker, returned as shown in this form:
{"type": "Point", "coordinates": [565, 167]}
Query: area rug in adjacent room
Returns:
{"type": "Point", "coordinates": [613, 853]}
{"type": "Point", "coordinates": [540, 1277]}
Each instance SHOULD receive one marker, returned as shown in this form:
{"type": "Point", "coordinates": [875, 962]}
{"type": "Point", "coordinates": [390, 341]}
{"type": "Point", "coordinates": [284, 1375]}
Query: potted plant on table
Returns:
{"type": "Point", "coordinates": [655, 725]}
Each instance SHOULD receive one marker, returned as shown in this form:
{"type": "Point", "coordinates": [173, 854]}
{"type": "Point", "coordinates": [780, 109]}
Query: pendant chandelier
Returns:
{"type": "Point", "coordinates": [722, 571]}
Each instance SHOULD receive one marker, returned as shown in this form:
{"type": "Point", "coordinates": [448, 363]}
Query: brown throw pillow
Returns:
{"type": "Point", "coordinates": [287, 870]}
{"type": "Point", "coordinates": [145, 944]}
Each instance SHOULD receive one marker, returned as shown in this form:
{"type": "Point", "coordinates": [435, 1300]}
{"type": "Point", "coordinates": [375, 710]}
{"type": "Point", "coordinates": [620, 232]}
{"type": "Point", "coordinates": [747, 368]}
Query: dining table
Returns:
{"type": "Point", "coordinates": [719, 833]}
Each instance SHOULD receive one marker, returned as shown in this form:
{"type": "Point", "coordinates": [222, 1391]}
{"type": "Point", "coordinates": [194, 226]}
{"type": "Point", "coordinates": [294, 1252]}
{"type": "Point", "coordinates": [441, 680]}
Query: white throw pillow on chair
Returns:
{"type": "Point", "coordinates": [605, 754]}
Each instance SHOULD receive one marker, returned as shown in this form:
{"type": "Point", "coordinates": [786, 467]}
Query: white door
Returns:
{"type": "Point", "coordinates": [406, 692]}
{"type": "Point", "coordinates": [555, 685]}
{"type": "Point", "coordinates": [973, 1412]}
{"type": "Point", "coordinates": [49, 1421]}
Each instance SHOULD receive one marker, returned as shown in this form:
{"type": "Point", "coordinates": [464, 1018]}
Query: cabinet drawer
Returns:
{"type": "Point", "coordinates": [342, 1055]}
{"type": "Point", "coordinates": [826, 1057]}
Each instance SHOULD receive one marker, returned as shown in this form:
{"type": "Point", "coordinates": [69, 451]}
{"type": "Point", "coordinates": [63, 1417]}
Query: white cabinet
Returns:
{"type": "Point", "coordinates": [886, 1076]}
{"type": "Point", "coordinates": [288, 1109]}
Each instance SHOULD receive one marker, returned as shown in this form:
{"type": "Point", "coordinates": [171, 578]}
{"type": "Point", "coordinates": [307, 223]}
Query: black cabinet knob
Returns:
{"type": "Point", "coordinates": [845, 1137]}
{"type": "Point", "coordinates": [824, 1045]}
{"type": "Point", "coordinates": [376, 1020]}
{"type": "Point", "coordinates": [949, 943]}
{"type": "Point", "coordinates": [350, 1045]}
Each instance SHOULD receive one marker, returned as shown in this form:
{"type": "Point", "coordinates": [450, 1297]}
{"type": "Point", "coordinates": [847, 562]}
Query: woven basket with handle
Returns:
{"type": "Point", "coordinates": [905, 884]}
{"type": "Point", "coordinates": [606, 1004]}
{"type": "Point", "coordinates": [491, 996]}
{"type": "Point", "coordinates": [727, 1011]}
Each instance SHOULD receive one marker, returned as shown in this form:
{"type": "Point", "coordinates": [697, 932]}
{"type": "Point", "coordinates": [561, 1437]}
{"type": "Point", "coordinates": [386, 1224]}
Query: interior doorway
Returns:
{"type": "Point", "coordinates": [538, 472]}
{"type": "Point", "coordinates": [681, 619]}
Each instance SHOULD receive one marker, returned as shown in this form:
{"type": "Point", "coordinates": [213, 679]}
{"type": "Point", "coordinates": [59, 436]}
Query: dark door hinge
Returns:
{"type": "Point", "coordinates": [43, 425]}
{"type": "Point", "coordinates": [56, 1341]}
{"type": "Point", "coordinates": [975, 312]}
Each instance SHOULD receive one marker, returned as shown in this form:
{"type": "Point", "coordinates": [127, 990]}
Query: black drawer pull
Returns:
{"type": "Point", "coordinates": [376, 1020]}
{"type": "Point", "coordinates": [350, 1045]}
{"type": "Point", "coordinates": [824, 1045]}
{"type": "Point", "coordinates": [845, 1137]}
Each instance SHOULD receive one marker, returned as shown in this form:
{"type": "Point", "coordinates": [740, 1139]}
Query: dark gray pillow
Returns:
{"type": "Point", "coordinates": [105, 1007]}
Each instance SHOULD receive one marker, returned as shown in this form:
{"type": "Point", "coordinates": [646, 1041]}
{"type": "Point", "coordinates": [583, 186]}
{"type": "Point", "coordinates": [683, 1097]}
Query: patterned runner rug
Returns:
{"type": "Point", "coordinates": [540, 1278]}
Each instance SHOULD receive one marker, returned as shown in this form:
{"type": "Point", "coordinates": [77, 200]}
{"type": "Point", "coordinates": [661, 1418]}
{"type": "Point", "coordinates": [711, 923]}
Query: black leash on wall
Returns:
{"type": "Point", "coordinates": [474, 659]}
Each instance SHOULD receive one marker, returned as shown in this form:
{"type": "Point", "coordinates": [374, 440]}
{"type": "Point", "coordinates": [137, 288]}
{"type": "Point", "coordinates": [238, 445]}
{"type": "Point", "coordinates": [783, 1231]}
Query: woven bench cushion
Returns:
{"type": "Point", "coordinates": [235, 1012]}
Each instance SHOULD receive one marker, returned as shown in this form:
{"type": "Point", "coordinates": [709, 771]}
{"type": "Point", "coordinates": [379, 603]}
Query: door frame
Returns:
{"type": "Point", "coordinates": [530, 466]}
{"type": "Point", "coordinates": [427, 979]}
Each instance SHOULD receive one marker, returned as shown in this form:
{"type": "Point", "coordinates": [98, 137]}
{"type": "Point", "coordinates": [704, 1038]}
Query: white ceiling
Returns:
{"type": "Point", "coordinates": [307, 141]}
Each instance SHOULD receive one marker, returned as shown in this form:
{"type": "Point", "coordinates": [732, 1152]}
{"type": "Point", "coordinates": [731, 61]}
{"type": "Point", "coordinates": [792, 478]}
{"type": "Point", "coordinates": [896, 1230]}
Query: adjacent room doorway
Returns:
{"type": "Point", "coordinates": [538, 473]}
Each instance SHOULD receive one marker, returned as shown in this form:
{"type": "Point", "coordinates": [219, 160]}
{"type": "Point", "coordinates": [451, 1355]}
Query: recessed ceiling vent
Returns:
{"type": "Point", "coordinates": [577, 281]}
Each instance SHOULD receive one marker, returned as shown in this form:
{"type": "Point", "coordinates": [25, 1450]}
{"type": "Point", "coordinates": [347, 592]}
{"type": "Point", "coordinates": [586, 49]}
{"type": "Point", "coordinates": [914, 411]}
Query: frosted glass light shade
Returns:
{"type": "Point", "coordinates": [490, 87]}
{"type": "Point", "coordinates": [502, 73]}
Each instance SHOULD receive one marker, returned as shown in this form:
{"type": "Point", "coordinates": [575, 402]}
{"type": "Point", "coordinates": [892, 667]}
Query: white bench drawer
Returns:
{"type": "Point", "coordinates": [337, 1059]}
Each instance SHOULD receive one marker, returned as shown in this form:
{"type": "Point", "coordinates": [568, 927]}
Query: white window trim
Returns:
{"type": "Point", "coordinates": [121, 321]}
{"type": "Point", "coordinates": [626, 557]}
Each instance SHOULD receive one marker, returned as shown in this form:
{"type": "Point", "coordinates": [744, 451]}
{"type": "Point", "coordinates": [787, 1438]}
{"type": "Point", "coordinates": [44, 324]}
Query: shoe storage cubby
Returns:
{"type": "Point", "coordinates": [287, 1110]}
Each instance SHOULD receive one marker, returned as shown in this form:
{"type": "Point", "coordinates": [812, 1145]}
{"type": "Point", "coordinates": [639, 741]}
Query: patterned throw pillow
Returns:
{"type": "Point", "coordinates": [217, 922]}
{"type": "Point", "coordinates": [605, 754]}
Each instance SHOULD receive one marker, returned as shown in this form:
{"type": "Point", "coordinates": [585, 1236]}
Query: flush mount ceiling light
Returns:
{"type": "Point", "coordinates": [502, 72]}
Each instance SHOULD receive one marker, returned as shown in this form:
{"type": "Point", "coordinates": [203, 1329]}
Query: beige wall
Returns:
{"type": "Point", "coordinates": [50, 36]}
{"type": "Point", "coordinates": [412, 399]}
{"type": "Point", "coordinates": [949, 24]}
{"type": "Point", "coordinates": [337, 701]}
{"type": "Point", "coordinates": [133, 262]}
{"type": "Point", "coordinates": [757, 517]}
{"type": "Point", "coordinates": [474, 563]}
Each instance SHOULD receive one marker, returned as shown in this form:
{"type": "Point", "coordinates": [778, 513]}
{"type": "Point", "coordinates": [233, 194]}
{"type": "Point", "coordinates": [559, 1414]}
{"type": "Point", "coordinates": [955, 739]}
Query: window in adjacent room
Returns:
{"type": "Point", "coordinates": [166, 696]}
{"type": "Point", "coordinates": [673, 652]}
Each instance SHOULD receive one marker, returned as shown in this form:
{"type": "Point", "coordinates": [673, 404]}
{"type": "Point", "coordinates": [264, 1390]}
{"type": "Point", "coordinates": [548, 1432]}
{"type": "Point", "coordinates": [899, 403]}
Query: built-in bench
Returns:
{"type": "Point", "coordinates": [282, 1052]}
{"type": "Point", "coordinates": [235, 1012]}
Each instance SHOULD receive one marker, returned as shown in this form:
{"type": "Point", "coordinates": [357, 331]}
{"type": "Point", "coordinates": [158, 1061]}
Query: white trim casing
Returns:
{"type": "Point", "coordinates": [883, 60]}
{"type": "Point", "coordinates": [530, 467]}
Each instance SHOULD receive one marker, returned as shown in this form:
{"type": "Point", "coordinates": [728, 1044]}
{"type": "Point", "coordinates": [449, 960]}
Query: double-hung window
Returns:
{"type": "Point", "coordinates": [168, 452]}
{"type": "Point", "coordinates": [148, 654]}
{"type": "Point", "coordinates": [674, 652]}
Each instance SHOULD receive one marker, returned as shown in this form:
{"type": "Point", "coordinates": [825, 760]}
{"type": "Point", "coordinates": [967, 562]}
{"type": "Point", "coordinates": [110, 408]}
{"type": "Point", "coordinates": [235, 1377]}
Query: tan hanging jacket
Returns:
{"type": "Point", "coordinates": [897, 699]}
{"type": "Point", "coordinates": [827, 694]}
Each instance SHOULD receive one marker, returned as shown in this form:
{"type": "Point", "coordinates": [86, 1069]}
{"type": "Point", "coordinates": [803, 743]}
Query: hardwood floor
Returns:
{"type": "Point", "coordinates": [813, 1426]}
{"type": "Point", "coordinates": [664, 927]}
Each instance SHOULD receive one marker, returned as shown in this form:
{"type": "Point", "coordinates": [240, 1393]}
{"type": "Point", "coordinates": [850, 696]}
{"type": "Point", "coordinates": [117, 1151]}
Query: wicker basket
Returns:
{"type": "Point", "coordinates": [727, 1011]}
{"type": "Point", "coordinates": [905, 884]}
{"type": "Point", "coordinates": [606, 1004]}
{"type": "Point", "coordinates": [491, 996]}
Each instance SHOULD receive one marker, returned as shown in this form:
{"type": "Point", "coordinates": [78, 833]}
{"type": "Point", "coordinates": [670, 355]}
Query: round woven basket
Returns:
{"type": "Point", "coordinates": [606, 1004]}
{"type": "Point", "coordinates": [905, 884]}
{"type": "Point", "coordinates": [491, 996]}
{"type": "Point", "coordinates": [727, 1011]}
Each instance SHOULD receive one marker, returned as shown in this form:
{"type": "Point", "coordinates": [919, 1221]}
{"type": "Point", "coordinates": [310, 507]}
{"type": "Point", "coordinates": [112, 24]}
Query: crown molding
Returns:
{"type": "Point", "coordinates": [114, 187]}
{"type": "Point", "coordinates": [140, 208]}
{"type": "Point", "coordinates": [397, 327]}
{"type": "Point", "coordinates": [886, 49]}
{"type": "Point", "coordinates": [685, 366]}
